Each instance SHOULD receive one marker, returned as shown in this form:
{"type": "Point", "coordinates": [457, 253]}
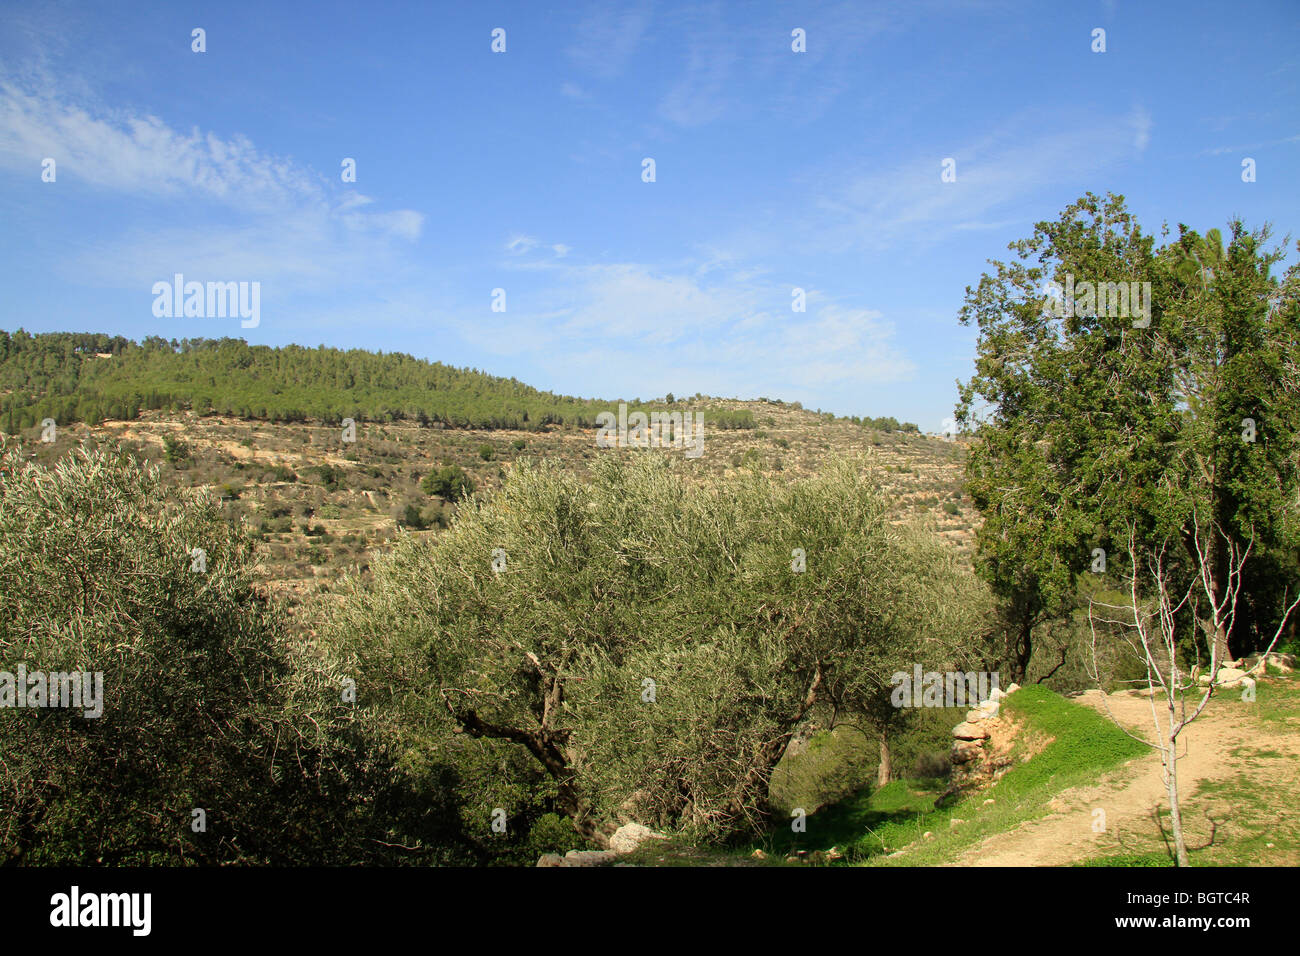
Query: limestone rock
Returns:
{"type": "Point", "coordinates": [630, 836]}
{"type": "Point", "coordinates": [968, 731]}
{"type": "Point", "coordinates": [964, 751]}
{"type": "Point", "coordinates": [589, 857]}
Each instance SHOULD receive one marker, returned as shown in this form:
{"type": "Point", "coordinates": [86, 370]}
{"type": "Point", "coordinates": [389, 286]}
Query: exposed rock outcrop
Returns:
{"type": "Point", "coordinates": [981, 748]}
{"type": "Point", "coordinates": [625, 840]}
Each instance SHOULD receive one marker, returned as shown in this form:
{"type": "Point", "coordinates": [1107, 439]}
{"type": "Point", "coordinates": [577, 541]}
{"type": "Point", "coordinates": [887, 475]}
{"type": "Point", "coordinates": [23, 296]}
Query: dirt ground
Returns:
{"type": "Point", "coordinates": [1131, 794]}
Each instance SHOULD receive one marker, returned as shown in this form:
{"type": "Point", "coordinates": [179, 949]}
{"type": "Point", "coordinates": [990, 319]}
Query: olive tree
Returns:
{"type": "Point", "coordinates": [221, 738]}
{"type": "Point", "coordinates": [650, 641]}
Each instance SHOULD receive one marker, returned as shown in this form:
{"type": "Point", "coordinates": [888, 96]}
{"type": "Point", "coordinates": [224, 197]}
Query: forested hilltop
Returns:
{"type": "Point", "coordinates": [87, 377]}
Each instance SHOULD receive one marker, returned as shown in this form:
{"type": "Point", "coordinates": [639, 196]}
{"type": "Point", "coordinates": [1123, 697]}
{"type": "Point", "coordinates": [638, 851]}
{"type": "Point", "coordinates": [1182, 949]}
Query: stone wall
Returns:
{"type": "Point", "coordinates": [981, 750]}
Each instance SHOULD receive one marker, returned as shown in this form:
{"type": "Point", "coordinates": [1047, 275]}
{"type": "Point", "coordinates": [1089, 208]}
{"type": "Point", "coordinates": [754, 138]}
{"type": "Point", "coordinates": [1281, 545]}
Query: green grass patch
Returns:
{"type": "Point", "coordinates": [1084, 744]}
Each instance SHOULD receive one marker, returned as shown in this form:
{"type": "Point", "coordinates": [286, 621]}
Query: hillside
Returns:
{"type": "Point", "coordinates": [269, 443]}
{"type": "Point", "coordinates": [84, 377]}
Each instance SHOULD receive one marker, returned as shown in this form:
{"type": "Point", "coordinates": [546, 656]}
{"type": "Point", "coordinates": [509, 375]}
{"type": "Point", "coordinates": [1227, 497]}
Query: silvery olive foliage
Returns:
{"type": "Point", "coordinates": [636, 573]}
{"type": "Point", "coordinates": [207, 701]}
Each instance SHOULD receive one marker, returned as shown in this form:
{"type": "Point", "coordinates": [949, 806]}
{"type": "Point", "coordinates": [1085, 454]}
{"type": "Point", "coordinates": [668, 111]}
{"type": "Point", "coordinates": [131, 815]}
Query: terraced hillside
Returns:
{"type": "Point", "coordinates": [320, 505]}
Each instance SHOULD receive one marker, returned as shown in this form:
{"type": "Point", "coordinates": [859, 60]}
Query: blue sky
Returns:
{"type": "Point", "coordinates": [522, 171]}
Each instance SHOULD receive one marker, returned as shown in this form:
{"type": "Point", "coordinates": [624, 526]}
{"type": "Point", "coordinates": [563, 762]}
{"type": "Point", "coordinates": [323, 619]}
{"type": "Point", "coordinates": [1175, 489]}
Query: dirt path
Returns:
{"type": "Point", "coordinates": [1130, 794]}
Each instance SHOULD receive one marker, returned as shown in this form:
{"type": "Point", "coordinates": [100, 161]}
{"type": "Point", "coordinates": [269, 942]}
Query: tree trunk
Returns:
{"type": "Point", "coordinates": [545, 745]}
{"type": "Point", "coordinates": [1218, 561]}
{"type": "Point", "coordinates": [886, 767]}
{"type": "Point", "coordinates": [765, 761]}
{"type": "Point", "coordinates": [1021, 649]}
{"type": "Point", "coordinates": [1169, 756]}
{"type": "Point", "coordinates": [1175, 816]}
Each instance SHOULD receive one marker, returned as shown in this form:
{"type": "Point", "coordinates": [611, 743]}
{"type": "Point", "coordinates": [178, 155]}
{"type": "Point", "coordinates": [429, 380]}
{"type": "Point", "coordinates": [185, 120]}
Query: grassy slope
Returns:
{"type": "Point", "coordinates": [1254, 830]}
{"type": "Point", "coordinates": [871, 824]}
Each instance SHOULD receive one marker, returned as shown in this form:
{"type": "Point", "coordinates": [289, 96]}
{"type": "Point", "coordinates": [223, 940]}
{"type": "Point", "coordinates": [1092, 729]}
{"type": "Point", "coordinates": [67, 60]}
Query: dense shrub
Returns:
{"type": "Point", "coordinates": [449, 482]}
{"type": "Point", "coordinates": [206, 703]}
{"type": "Point", "coordinates": [525, 636]}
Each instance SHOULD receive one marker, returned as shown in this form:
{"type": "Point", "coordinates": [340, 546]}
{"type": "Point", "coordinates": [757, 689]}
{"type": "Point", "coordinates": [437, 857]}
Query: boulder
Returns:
{"type": "Point", "coordinates": [551, 859]}
{"type": "Point", "coordinates": [1229, 676]}
{"type": "Point", "coordinates": [1282, 662]}
{"type": "Point", "coordinates": [589, 857]}
{"type": "Point", "coordinates": [989, 708]}
{"type": "Point", "coordinates": [630, 836]}
{"type": "Point", "coordinates": [964, 751]}
{"type": "Point", "coordinates": [968, 731]}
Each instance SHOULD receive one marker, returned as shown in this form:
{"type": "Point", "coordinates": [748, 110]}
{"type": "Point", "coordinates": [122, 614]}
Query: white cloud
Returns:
{"type": "Point", "coordinates": [519, 244]}
{"type": "Point", "coordinates": [134, 154]}
{"type": "Point", "coordinates": [909, 203]}
{"type": "Point", "coordinates": [606, 40]}
{"type": "Point", "coordinates": [1221, 150]}
{"type": "Point", "coordinates": [1141, 120]}
{"type": "Point", "coordinates": [632, 328]}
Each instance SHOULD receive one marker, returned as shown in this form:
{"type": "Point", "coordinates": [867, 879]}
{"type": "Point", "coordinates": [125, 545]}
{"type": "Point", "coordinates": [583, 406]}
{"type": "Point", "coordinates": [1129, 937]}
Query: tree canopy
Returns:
{"type": "Point", "coordinates": [86, 377]}
{"type": "Point", "coordinates": [1095, 422]}
{"type": "Point", "coordinates": [652, 646]}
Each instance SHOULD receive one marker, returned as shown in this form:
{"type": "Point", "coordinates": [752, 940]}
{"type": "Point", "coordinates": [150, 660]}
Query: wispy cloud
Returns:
{"type": "Point", "coordinates": [606, 39]}
{"type": "Point", "coordinates": [909, 202]}
{"type": "Point", "coordinates": [281, 219]}
{"type": "Point", "coordinates": [720, 327]}
{"type": "Point", "coordinates": [139, 154]}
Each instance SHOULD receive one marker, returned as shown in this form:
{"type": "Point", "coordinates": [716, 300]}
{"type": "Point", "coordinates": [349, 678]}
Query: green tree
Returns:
{"type": "Point", "coordinates": [1094, 421]}
{"type": "Point", "coordinates": [175, 451]}
{"type": "Point", "coordinates": [449, 482]}
{"type": "Point", "coordinates": [650, 646]}
{"type": "Point", "coordinates": [207, 702]}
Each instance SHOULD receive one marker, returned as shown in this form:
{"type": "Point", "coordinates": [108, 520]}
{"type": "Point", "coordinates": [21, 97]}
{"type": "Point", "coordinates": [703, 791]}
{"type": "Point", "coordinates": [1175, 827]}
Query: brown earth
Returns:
{"type": "Point", "coordinates": [1131, 794]}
